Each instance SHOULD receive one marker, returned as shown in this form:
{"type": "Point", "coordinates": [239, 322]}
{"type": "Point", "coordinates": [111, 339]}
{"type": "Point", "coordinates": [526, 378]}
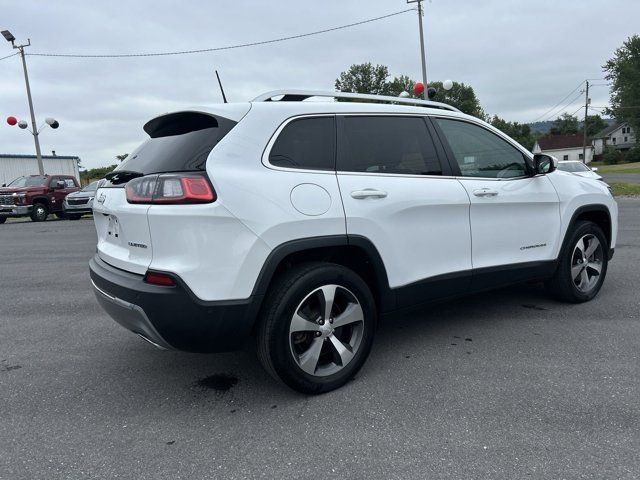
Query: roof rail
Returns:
{"type": "Point", "coordinates": [300, 95]}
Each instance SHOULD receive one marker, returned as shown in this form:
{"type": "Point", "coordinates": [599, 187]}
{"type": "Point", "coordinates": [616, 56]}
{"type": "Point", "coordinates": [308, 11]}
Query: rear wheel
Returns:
{"type": "Point", "coordinates": [317, 327]}
{"type": "Point", "coordinates": [39, 213]}
{"type": "Point", "coordinates": [2, 220]}
{"type": "Point", "coordinates": [583, 265]}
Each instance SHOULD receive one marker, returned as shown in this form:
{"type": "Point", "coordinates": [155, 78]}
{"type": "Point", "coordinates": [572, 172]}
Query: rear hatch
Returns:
{"type": "Point", "coordinates": [179, 142]}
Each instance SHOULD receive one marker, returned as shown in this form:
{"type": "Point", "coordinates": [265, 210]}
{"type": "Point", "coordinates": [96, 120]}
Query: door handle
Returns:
{"type": "Point", "coordinates": [485, 192]}
{"type": "Point", "coordinates": [368, 193]}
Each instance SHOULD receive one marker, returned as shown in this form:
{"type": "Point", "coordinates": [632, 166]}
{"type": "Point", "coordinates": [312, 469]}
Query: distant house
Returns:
{"type": "Point", "coordinates": [619, 135]}
{"type": "Point", "coordinates": [564, 147]}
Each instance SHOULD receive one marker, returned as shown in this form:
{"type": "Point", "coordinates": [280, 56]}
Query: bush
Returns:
{"type": "Point", "coordinates": [611, 156]}
{"type": "Point", "coordinates": [633, 155]}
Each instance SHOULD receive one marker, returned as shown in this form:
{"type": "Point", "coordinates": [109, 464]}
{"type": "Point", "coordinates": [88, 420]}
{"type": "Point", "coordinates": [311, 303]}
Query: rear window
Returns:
{"type": "Point", "coordinates": [179, 143]}
{"type": "Point", "coordinates": [307, 143]}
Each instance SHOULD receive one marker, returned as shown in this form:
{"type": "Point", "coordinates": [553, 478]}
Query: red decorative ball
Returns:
{"type": "Point", "coordinates": [12, 121]}
{"type": "Point", "coordinates": [418, 88]}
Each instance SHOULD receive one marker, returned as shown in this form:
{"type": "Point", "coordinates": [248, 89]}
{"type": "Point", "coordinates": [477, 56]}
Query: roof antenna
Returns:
{"type": "Point", "coordinates": [224, 97]}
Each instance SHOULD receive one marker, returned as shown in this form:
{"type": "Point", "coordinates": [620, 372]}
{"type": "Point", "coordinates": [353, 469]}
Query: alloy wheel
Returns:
{"type": "Point", "coordinates": [586, 263]}
{"type": "Point", "coordinates": [326, 330]}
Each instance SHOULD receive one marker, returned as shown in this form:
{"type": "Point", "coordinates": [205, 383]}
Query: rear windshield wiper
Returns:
{"type": "Point", "coordinates": [122, 176]}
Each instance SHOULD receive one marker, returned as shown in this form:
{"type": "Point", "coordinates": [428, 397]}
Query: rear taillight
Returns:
{"type": "Point", "coordinates": [159, 279]}
{"type": "Point", "coordinates": [174, 188]}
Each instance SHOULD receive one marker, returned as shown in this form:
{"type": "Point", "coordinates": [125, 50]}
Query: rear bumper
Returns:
{"type": "Point", "coordinates": [172, 317]}
{"type": "Point", "coordinates": [15, 210]}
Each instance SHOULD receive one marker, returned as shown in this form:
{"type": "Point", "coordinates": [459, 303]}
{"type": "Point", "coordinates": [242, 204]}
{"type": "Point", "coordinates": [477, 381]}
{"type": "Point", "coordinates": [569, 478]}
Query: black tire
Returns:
{"type": "Point", "coordinates": [564, 285]}
{"type": "Point", "coordinates": [276, 343]}
{"type": "Point", "coordinates": [2, 220]}
{"type": "Point", "coordinates": [39, 213]}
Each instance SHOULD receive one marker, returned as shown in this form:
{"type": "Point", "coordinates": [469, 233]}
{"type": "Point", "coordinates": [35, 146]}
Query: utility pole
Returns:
{"type": "Point", "coordinates": [584, 126]}
{"type": "Point", "coordinates": [35, 132]}
{"type": "Point", "coordinates": [423, 57]}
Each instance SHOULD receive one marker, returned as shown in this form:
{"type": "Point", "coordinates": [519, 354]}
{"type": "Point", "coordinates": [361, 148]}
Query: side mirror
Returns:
{"type": "Point", "coordinates": [59, 185]}
{"type": "Point", "coordinates": [4, 184]}
{"type": "Point", "coordinates": [544, 164]}
{"type": "Point", "coordinates": [594, 169]}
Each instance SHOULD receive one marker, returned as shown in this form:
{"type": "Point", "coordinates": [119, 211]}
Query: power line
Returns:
{"type": "Point", "coordinates": [553, 112]}
{"type": "Point", "coordinates": [629, 106]}
{"type": "Point", "coordinates": [9, 56]}
{"type": "Point", "coordinates": [554, 107]}
{"type": "Point", "coordinates": [215, 49]}
{"type": "Point", "coordinates": [576, 111]}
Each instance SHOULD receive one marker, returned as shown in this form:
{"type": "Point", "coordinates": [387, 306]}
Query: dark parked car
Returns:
{"type": "Point", "coordinates": [36, 196]}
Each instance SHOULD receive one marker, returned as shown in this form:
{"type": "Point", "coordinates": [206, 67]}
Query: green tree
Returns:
{"type": "Point", "coordinates": [364, 78]}
{"type": "Point", "coordinates": [520, 132]}
{"type": "Point", "coordinates": [461, 96]}
{"type": "Point", "coordinates": [122, 157]}
{"type": "Point", "coordinates": [400, 84]}
{"type": "Point", "coordinates": [623, 71]}
{"type": "Point", "coordinates": [95, 174]}
{"type": "Point", "coordinates": [595, 123]}
{"type": "Point", "coordinates": [565, 124]}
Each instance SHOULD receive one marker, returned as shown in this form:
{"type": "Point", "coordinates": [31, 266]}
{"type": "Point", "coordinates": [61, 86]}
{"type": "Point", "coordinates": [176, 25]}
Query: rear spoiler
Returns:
{"type": "Point", "coordinates": [224, 116]}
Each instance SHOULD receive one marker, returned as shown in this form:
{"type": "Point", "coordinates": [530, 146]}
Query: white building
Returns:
{"type": "Point", "coordinates": [564, 147]}
{"type": "Point", "coordinates": [14, 166]}
{"type": "Point", "coordinates": [620, 136]}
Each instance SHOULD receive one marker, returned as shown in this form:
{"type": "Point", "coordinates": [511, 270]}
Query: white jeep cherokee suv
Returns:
{"type": "Point", "coordinates": [302, 223]}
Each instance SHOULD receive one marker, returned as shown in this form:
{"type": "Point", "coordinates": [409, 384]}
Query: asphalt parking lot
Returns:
{"type": "Point", "coordinates": [508, 384]}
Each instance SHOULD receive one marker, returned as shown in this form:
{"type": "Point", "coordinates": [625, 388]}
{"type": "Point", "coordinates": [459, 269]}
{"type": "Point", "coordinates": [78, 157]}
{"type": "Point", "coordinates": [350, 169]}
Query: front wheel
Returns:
{"type": "Point", "coordinates": [2, 220]}
{"type": "Point", "coordinates": [583, 265]}
{"type": "Point", "coordinates": [317, 327]}
{"type": "Point", "coordinates": [39, 213]}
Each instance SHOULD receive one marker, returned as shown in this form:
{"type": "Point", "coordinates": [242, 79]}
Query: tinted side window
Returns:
{"type": "Point", "coordinates": [400, 145]}
{"type": "Point", "coordinates": [480, 153]}
{"type": "Point", "coordinates": [307, 143]}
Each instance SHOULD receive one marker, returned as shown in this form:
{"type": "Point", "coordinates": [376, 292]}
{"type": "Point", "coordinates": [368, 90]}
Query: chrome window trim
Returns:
{"type": "Point", "coordinates": [276, 134]}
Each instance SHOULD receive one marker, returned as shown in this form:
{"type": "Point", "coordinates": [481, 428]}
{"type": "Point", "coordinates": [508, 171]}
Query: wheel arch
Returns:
{"type": "Point", "coordinates": [43, 200]}
{"type": "Point", "coordinates": [596, 213]}
{"type": "Point", "coordinates": [352, 251]}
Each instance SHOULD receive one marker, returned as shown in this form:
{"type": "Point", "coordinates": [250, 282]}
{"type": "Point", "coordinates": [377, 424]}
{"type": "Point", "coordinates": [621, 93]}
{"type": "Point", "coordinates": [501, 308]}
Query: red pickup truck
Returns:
{"type": "Point", "coordinates": [36, 196]}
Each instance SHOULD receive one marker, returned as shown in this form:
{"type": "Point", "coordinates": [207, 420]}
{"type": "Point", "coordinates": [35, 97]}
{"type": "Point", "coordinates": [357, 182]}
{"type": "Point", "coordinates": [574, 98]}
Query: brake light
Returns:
{"type": "Point", "coordinates": [170, 189]}
{"type": "Point", "coordinates": [159, 279]}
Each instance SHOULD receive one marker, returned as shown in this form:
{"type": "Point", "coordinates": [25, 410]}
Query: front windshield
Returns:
{"type": "Point", "coordinates": [30, 181]}
{"type": "Point", "coordinates": [572, 167]}
{"type": "Point", "coordinates": [92, 187]}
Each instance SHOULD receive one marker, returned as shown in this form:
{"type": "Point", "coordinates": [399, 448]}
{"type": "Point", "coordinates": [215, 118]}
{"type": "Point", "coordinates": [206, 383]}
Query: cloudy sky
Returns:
{"type": "Point", "coordinates": [520, 56]}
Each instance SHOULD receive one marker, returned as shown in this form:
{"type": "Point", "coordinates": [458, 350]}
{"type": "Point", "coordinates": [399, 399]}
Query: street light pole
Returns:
{"type": "Point", "coordinates": [35, 131]}
{"type": "Point", "coordinates": [422, 54]}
